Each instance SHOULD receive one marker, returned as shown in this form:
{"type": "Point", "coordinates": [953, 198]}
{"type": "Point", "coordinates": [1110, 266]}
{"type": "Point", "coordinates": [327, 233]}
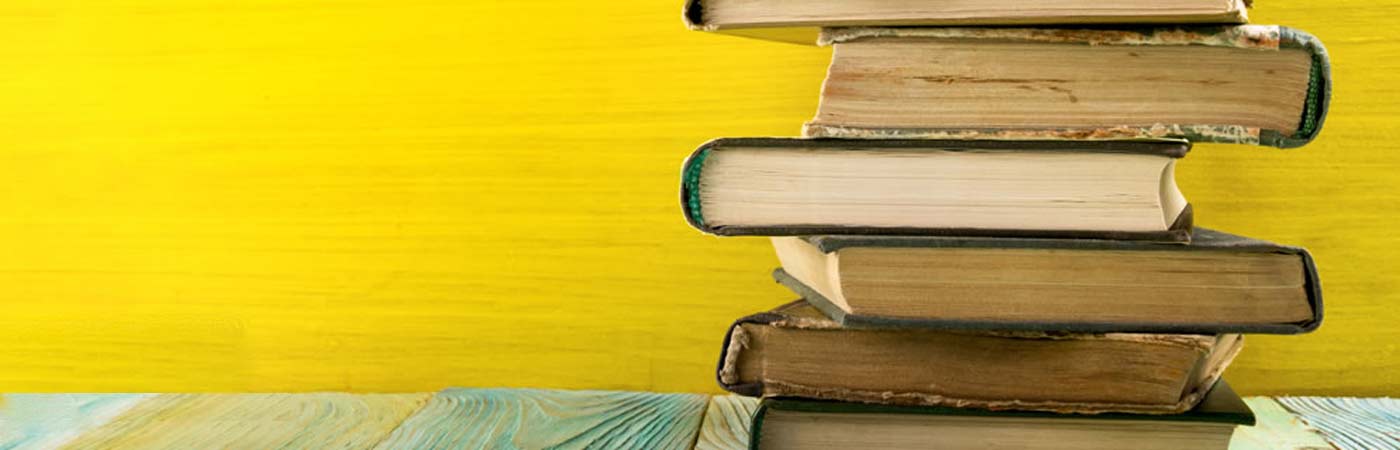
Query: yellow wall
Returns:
{"type": "Point", "coordinates": [406, 195]}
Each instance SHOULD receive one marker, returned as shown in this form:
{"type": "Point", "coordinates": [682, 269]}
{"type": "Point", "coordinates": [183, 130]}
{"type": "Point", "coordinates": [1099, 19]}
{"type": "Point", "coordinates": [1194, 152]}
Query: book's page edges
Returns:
{"type": "Point", "coordinates": [693, 15]}
{"type": "Point", "coordinates": [1220, 405]}
{"type": "Point", "coordinates": [865, 321]}
{"type": "Point", "coordinates": [800, 315]}
{"type": "Point", "coordinates": [693, 169]}
{"type": "Point", "coordinates": [1203, 239]}
{"type": "Point", "coordinates": [1260, 37]}
{"type": "Point", "coordinates": [1224, 134]}
{"type": "Point", "coordinates": [1172, 148]}
{"type": "Point", "coordinates": [1174, 236]}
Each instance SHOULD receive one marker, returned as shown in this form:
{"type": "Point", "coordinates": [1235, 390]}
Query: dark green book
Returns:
{"type": "Point", "coordinates": [1216, 283]}
{"type": "Point", "coordinates": [781, 423]}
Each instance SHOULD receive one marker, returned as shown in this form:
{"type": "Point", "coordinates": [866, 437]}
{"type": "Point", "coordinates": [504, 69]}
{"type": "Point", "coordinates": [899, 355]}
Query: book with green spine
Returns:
{"type": "Point", "coordinates": [1249, 84]}
{"type": "Point", "coordinates": [789, 187]}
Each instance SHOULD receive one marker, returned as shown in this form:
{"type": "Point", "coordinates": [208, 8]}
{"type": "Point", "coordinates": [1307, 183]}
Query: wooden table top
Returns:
{"type": "Point", "coordinates": [527, 419]}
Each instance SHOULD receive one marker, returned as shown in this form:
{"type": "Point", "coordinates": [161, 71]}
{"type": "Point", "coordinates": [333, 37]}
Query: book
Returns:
{"type": "Point", "coordinates": [1248, 84]}
{"type": "Point", "coordinates": [795, 351]}
{"type": "Point", "coordinates": [804, 424]}
{"type": "Point", "coordinates": [1218, 283]}
{"type": "Point", "coordinates": [777, 16]}
{"type": "Point", "coordinates": [786, 187]}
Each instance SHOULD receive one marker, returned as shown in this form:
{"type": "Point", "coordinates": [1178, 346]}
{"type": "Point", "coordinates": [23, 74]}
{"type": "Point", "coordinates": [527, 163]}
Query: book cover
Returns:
{"type": "Point", "coordinates": [1220, 405]}
{"type": "Point", "coordinates": [1036, 352]}
{"type": "Point", "coordinates": [1203, 240]}
{"type": "Point", "coordinates": [694, 166]}
{"type": "Point", "coordinates": [1254, 37]}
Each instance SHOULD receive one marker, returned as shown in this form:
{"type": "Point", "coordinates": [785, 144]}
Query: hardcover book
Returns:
{"type": "Point", "coordinates": [804, 424]}
{"type": "Point", "coordinates": [1247, 84]}
{"type": "Point", "coordinates": [785, 187]}
{"type": "Point", "coordinates": [795, 20]}
{"type": "Point", "coordinates": [795, 351]}
{"type": "Point", "coordinates": [1218, 283]}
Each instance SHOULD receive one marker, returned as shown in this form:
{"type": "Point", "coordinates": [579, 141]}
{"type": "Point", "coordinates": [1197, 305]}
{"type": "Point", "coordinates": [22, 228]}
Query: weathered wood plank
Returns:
{"type": "Point", "coordinates": [1276, 429]}
{"type": "Point", "coordinates": [726, 425]}
{"type": "Point", "coordinates": [537, 419]}
{"type": "Point", "coordinates": [254, 421]}
{"type": "Point", "coordinates": [1351, 423]}
{"type": "Point", "coordinates": [44, 421]}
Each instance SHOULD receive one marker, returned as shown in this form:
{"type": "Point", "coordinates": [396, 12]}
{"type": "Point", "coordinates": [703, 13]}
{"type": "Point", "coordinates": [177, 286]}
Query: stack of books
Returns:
{"type": "Point", "coordinates": [984, 227]}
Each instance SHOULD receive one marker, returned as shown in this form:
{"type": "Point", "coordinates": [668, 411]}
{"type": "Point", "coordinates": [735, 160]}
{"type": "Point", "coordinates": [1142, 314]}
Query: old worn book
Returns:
{"type": "Point", "coordinates": [781, 424]}
{"type": "Point", "coordinates": [795, 351]}
{"type": "Point", "coordinates": [786, 187]}
{"type": "Point", "coordinates": [1248, 84]}
{"type": "Point", "coordinates": [721, 15]}
{"type": "Point", "coordinates": [1218, 283]}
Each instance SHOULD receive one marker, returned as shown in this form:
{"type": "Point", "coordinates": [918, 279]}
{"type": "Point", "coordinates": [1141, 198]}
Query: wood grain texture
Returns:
{"type": "Point", "coordinates": [45, 421]}
{"type": "Point", "coordinates": [1351, 423]}
{"type": "Point", "coordinates": [190, 421]}
{"type": "Point", "coordinates": [198, 195]}
{"type": "Point", "coordinates": [726, 425]}
{"type": "Point", "coordinates": [1276, 429]}
{"type": "Point", "coordinates": [539, 419]}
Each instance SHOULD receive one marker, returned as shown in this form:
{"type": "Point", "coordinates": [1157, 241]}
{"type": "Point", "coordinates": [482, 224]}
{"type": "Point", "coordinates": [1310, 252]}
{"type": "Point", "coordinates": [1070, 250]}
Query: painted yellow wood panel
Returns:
{"type": "Point", "coordinates": [200, 195]}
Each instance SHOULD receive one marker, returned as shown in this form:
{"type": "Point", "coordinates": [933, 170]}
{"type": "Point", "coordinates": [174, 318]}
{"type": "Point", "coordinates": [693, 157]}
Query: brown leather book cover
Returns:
{"type": "Point", "coordinates": [1270, 38]}
{"type": "Point", "coordinates": [1037, 352]}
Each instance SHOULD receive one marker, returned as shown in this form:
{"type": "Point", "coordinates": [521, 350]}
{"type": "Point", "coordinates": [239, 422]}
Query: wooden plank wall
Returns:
{"type": "Point", "coordinates": [200, 195]}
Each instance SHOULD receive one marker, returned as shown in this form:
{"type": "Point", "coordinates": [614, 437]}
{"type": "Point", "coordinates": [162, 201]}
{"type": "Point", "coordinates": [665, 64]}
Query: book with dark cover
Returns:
{"type": "Point", "coordinates": [1220, 405]}
{"type": "Point", "coordinates": [832, 121]}
{"type": "Point", "coordinates": [1204, 240]}
{"type": "Point", "coordinates": [693, 170]}
{"type": "Point", "coordinates": [800, 22]}
{"type": "Point", "coordinates": [795, 351]}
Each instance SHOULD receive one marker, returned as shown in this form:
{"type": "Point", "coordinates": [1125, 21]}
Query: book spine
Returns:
{"type": "Point", "coordinates": [693, 13]}
{"type": "Point", "coordinates": [1319, 91]}
{"type": "Point", "coordinates": [691, 171]}
{"type": "Point", "coordinates": [735, 342]}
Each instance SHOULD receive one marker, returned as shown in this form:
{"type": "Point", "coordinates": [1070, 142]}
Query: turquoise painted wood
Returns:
{"type": "Point", "coordinates": [43, 421]}
{"type": "Point", "coordinates": [1276, 429]}
{"type": "Point", "coordinates": [1351, 423]}
{"type": "Point", "coordinates": [540, 419]}
{"type": "Point", "coordinates": [253, 421]}
{"type": "Point", "coordinates": [529, 419]}
{"type": "Point", "coordinates": [726, 424]}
